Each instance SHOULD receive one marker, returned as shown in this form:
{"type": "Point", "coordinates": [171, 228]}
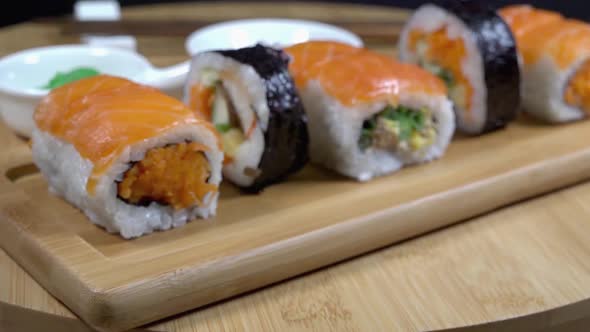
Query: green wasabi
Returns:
{"type": "Point", "coordinates": [62, 78]}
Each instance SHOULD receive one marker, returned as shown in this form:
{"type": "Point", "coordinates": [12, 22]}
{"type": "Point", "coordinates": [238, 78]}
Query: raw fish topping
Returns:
{"type": "Point", "coordinates": [540, 32]}
{"type": "Point", "coordinates": [314, 53]}
{"type": "Point", "coordinates": [365, 77]}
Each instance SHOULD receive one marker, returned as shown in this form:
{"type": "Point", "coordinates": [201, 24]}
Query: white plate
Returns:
{"type": "Point", "coordinates": [268, 31]}
{"type": "Point", "coordinates": [23, 74]}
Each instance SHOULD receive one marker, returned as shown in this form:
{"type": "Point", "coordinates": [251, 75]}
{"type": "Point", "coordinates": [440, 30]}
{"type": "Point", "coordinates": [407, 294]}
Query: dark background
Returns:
{"type": "Point", "coordinates": [15, 11]}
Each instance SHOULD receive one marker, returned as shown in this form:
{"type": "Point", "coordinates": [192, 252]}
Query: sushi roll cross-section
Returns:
{"type": "Point", "coordinates": [131, 158]}
{"type": "Point", "coordinates": [555, 53]}
{"type": "Point", "coordinates": [251, 98]}
{"type": "Point", "coordinates": [470, 47]}
{"type": "Point", "coordinates": [370, 115]}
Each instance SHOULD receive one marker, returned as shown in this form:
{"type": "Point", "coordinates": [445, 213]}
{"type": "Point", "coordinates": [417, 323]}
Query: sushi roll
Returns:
{"type": "Point", "coordinates": [131, 158]}
{"type": "Point", "coordinates": [555, 53]}
{"type": "Point", "coordinates": [370, 115]}
{"type": "Point", "coordinates": [251, 99]}
{"type": "Point", "coordinates": [472, 49]}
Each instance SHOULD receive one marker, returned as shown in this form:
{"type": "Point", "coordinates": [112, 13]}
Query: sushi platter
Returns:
{"type": "Point", "coordinates": [131, 205]}
{"type": "Point", "coordinates": [312, 221]}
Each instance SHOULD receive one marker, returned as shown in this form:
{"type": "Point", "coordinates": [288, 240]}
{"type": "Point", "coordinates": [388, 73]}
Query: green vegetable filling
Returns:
{"type": "Point", "coordinates": [442, 73]}
{"type": "Point", "coordinates": [446, 76]}
{"type": "Point", "coordinates": [399, 128]}
{"type": "Point", "coordinates": [223, 127]}
{"type": "Point", "coordinates": [62, 78]}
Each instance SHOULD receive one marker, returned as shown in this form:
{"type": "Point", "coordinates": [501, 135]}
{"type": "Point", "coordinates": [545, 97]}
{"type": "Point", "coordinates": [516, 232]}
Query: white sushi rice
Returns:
{"type": "Point", "coordinates": [250, 152]}
{"type": "Point", "coordinates": [543, 86]}
{"type": "Point", "coordinates": [335, 129]}
{"type": "Point", "coordinates": [67, 173]}
{"type": "Point", "coordinates": [430, 18]}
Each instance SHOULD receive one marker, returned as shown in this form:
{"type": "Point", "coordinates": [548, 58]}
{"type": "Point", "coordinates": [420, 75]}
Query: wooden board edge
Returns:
{"type": "Point", "coordinates": [129, 306]}
{"type": "Point", "coordinates": [555, 319]}
{"type": "Point", "coordinates": [82, 298]}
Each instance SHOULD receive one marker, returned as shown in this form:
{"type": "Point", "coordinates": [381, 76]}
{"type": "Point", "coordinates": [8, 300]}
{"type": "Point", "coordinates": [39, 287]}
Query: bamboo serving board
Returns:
{"type": "Point", "coordinates": [315, 219]}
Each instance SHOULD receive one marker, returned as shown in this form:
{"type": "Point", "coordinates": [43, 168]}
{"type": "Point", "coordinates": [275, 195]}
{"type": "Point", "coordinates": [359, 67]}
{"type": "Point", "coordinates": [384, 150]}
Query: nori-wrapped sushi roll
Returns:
{"type": "Point", "coordinates": [470, 47]}
{"type": "Point", "coordinates": [370, 115]}
{"type": "Point", "coordinates": [251, 99]}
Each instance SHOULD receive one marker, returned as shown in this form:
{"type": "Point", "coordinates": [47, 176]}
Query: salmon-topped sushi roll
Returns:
{"type": "Point", "coordinates": [250, 97]}
{"type": "Point", "coordinates": [370, 115]}
{"type": "Point", "coordinates": [555, 54]}
{"type": "Point", "coordinates": [470, 47]}
{"type": "Point", "coordinates": [131, 158]}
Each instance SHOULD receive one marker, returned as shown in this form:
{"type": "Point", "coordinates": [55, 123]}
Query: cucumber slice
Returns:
{"type": "Point", "coordinates": [209, 77]}
{"type": "Point", "coordinates": [220, 113]}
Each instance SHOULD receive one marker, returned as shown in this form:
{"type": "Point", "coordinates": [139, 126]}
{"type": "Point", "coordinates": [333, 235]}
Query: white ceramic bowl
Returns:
{"type": "Point", "coordinates": [269, 31]}
{"type": "Point", "coordinates": [22, 75]}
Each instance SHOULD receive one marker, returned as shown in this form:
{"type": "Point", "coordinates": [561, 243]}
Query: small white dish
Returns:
{"type": "Point", "coordinates": [276, 32]}
{"type": "Point", "coordinates": [23, 74]}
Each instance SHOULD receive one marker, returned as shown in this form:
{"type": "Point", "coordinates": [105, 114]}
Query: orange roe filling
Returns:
{"type": "Point", "coordinates": [175, 175]}
{"type": "Point", "coordinates": [577, 93]}
{"type": "Point", "coordinates": [446, 53]}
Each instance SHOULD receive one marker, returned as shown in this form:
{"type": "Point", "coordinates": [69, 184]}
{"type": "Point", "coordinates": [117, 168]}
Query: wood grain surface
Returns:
{"type": "Point", "coordinates": [314, 219]}
{"type": "Point", "coordinates": [528, 259]}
